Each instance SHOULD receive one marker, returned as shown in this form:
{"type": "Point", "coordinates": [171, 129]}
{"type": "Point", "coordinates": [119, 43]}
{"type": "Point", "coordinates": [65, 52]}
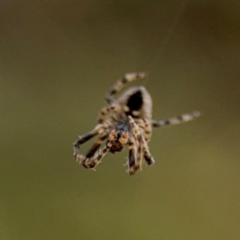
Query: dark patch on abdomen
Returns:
{"type": "Point", "coordinates": [135, 101]}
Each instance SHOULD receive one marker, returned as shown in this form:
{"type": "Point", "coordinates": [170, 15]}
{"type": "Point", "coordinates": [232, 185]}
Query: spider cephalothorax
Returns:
{"type": "Point", "coordinates": [126, 121]}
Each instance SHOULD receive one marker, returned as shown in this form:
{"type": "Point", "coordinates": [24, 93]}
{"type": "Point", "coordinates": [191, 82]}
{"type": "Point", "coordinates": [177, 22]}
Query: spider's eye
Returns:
{"type": "Point", "coordinates": [134, 104]}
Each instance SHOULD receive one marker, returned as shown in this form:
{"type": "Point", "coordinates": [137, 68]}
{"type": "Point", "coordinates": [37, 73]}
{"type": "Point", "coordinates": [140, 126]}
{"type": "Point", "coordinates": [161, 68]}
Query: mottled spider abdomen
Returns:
{"type": "Point", "coordinates": [137, 102]}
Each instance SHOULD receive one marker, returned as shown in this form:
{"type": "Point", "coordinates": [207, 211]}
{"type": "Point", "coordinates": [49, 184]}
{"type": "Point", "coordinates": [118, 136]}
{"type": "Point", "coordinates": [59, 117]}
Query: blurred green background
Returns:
{"type": "Point", "coordinates": [58, 59]}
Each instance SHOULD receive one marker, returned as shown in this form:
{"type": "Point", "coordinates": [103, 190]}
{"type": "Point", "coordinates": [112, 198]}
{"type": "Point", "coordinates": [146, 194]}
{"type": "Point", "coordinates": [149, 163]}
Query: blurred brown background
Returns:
{"type": "Point", "coordinates": [58, 59]}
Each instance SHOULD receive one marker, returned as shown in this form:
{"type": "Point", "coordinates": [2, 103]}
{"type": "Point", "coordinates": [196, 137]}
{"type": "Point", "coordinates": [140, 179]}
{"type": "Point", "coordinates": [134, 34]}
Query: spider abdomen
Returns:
{"type": "Point", "coordinates": [136, 102]}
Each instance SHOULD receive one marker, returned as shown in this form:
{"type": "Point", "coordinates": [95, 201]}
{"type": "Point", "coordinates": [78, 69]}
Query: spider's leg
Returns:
{"type": "Point", "coordinates": [96, 146]}
{"type": "Point", "coordinates": [103, 113]}
{"type": "Point", "coordinates": [84, 138]}
{"type": "Point", "coordinates": [135, 155]}
{"type": "Point", "coordinates": [146, 127]}
{"type": "Point", "coordinates": [139, 152]}
{"type": "Point", "coordinates": [128, 77]}
{"type": "Point", "coordinates": [176, 120]}
{"type": "Point", "coordinates": [82, 158]}
{"type": "Point", "coordinates": [146, 154]}
{"type": "Point", "coordinates": [147, 130]}
{"type": "Point", "coordinates": [92, 163]}
{"type": "Point", "coordinates": [131, 156]}
{"type": "Point", "coordinates": [111, 109]}
{"type": "Point", "coordinates": [138, 139]}
{"type": "Point", "coordinates": [147, 135]}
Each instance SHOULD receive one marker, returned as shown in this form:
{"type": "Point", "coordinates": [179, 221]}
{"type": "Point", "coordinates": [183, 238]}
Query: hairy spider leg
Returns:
{"type": "Point", "coordinates": [128, 77]}
{"type": "Point", "coordinates": [146, 153]}
{"type": "Point", "coordinates": [176, 120]}
{"type": "Point", "coordinates": [135, 155]}
{"type": "Point", "coordinates": [131, 156]}
{"type": "Point", "coordinates": [92, 163]}
{"type": "Point", "coordinates": [138, 146]}
{"type": "Point", "coordinates": [96, 145]}
{"type": "Point", "coordinates": [147, 129]}
{"type": "Point", "coordinates": [105, 111]}
{"type": "Point", "coordinates": [84, 138]}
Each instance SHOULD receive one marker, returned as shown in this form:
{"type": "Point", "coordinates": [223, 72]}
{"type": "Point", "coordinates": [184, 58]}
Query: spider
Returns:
{"type": "Point", "coordinates": [125, 121]}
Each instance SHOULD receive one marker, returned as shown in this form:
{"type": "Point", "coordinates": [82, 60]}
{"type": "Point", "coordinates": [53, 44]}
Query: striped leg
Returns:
{"type": "Point", "coordinates": [142, 141]}
{"type": "Point", "coordinates": [82, 139]}
{"type": "Point", "coordinates": [147, 129]}
{"type": "Point", "coordinates": [145, 126]}
{"type": "Point", "coordinates": [138, 146]}
{"type": "Point", "coordinates": [146, 154]}
{"type": "Point", "coordinates": [92, 163]}
{"type": "Point", "coordinates": [96, 146]}
{"type": "Point", "coordinates": [131, 157]}
{"type": "Point", "coordinates": [129, 77]}
{"type": "Point", "coordinates": [176, 120]}
{"type": "Point", "coordinates": [135, 155]}
{"type": "Point", "coordinates": [103, 113]}
{"type": "Point", "coordinates": [81, 158]}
